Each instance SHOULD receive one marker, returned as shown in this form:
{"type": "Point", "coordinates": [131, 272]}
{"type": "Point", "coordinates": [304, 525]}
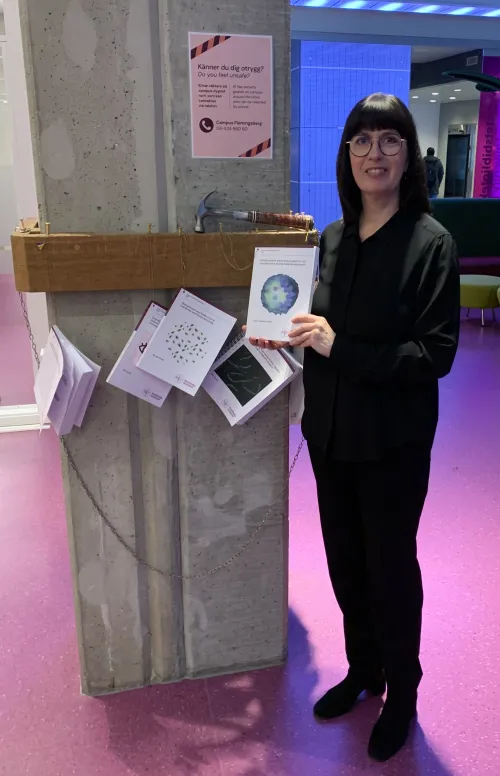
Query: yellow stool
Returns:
{"type": "Point", "coordinates": [481, 292]}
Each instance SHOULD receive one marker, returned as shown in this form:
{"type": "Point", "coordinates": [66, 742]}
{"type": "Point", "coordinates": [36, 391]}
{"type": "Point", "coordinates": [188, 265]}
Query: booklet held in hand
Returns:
{"type": "Point", "coordinates": [283, 282]}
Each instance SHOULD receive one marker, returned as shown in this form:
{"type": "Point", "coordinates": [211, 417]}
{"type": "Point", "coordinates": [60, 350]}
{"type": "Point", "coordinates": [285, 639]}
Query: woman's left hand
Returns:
{"type": "Point", "coordinates": [312, 332]}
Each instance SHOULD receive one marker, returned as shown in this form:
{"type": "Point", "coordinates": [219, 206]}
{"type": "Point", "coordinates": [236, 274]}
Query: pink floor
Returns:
{"type": "Point", "coordinates": [16, 366]}
{"type": "Point", "coordinates": [261, 724]}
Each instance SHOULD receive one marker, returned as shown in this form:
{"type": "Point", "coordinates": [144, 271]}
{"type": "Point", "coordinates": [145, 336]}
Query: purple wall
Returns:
{"type": "Point", "coordinates": [487, 174]}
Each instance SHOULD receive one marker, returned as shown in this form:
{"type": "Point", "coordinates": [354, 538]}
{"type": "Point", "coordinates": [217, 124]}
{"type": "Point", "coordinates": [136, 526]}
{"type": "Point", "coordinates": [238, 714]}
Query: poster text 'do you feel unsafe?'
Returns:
{"type": "Point", "coordinates": [231, 96]}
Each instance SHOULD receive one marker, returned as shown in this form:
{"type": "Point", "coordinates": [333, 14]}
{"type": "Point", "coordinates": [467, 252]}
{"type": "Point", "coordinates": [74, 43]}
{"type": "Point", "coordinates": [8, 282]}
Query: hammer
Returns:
{"type": "Point", "coordinates": [298, 221]}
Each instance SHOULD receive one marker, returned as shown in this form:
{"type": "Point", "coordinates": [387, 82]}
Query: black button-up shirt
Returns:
{"type": "Point", "coordinates": [394, 303]}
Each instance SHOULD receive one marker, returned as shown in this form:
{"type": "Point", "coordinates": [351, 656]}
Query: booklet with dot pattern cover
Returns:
{"type": "Point", "coordinates": [186, 342]}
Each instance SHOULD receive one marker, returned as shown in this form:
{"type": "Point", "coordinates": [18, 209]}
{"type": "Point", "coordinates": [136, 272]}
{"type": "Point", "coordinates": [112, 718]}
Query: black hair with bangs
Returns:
{"type": "Point", "coordinates": [382, 111]}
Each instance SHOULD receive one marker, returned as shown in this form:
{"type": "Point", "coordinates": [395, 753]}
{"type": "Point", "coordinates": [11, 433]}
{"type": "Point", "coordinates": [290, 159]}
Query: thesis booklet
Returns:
{"type": "Point", "coordinates": [282, 287]}
{"type": "Point", "coordinates": [64, 383]}
{"type": "Point", "coordinates": [186, 342]}
{"type": "Point", "coordinates": [127, 375]}
{"type": "Point", "coordinates": [245, 378]}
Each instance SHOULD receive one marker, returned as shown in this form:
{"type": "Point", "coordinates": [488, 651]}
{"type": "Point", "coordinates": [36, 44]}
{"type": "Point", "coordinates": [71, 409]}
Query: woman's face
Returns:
{"type": "Point", "coordinates": [378, 160]}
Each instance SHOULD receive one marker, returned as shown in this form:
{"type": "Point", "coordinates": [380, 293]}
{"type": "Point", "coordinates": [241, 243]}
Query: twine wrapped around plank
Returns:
{"type": "Point", "coordinates": [124, 262]}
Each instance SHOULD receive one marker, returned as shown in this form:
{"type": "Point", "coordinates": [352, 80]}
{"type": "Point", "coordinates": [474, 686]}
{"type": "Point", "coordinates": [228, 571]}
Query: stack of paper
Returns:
{"type": "Point", "coordinates": [282, 287]}
{"type": "Point", "coordinates": [186, 343]}
{"type": "Point", "coordinates": [246, 378]}
{"type": "Point", "coordinates": [64, 383]}
{"type": "Point", "coordinates": [127, 375]}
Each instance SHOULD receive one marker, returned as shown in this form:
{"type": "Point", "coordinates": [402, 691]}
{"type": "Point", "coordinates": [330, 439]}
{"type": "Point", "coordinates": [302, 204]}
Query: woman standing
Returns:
{"type": "Point", "coordinates": [383, 330]}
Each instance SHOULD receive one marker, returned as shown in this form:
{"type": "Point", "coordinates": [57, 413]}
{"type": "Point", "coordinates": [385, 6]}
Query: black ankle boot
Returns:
{"type": "Point", "coordinates": [391, 731]}
{"type": "Point", "coordinates": [341, 698]}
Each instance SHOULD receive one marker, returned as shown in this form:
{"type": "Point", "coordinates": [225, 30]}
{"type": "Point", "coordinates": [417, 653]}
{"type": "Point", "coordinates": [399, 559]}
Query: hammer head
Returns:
{"type": "Point", "coordinates": [202, 212]}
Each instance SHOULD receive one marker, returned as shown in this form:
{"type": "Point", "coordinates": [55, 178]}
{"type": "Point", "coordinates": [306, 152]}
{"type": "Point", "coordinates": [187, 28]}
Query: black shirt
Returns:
{"type": "Point", "coordinates": [394, 303]}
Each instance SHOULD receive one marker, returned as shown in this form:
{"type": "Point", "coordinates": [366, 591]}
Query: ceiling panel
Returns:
{"type": "Point", "coordinates": [452, 92]}
{"type": "Point", "coordinates": [420, 54]}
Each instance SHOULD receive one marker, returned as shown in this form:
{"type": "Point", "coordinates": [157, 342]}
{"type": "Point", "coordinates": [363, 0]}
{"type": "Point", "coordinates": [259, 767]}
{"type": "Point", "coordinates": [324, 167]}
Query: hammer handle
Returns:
{"type": "Point", "coordinates": [284, 219]}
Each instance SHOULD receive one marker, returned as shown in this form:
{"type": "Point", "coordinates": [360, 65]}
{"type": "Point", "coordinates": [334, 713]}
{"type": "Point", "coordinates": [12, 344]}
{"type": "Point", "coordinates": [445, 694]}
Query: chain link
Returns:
{"type": "Point", "coordinates": [146, 563]}
{"type": "Point", "coordinates": [28, 326]}
{"type": "Point", "coordinates": [109, 525]}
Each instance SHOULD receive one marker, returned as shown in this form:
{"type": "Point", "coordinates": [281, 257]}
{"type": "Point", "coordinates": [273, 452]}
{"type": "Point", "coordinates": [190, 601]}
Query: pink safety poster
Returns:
{"type": "Point", "coordinates": [231, 96]}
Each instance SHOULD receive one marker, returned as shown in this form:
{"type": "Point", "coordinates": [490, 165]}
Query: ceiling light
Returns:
{"type": "Point", "coordinates": [457, 90]}
{"type": "Point", "coordinates": [427, 9]}
{"type": "Point", "coordinates": [400, 7]}
{"type": "Point", "coordinates": [414, 96]}
{"type": "Point", "coordinates": [435, 94]}
{"type": "Point", "coordinates": [453, 98]}
{"type": "Point", "coordinates": [432, 100]}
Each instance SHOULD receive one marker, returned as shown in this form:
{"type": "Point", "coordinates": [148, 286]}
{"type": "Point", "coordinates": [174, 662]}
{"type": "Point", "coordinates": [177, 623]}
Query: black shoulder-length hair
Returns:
{"type": "Point", "coordinates": [382, 111]}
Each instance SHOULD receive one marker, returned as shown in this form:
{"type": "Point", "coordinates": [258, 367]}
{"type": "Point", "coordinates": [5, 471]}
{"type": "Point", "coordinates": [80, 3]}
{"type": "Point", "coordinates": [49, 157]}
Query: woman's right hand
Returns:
{"type": "Point", "coordinates": [266, 344]}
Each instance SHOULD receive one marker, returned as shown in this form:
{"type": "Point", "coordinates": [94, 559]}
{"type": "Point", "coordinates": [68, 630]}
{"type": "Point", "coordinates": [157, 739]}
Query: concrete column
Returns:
{"type": "Point", "coordinates": [109, 97]}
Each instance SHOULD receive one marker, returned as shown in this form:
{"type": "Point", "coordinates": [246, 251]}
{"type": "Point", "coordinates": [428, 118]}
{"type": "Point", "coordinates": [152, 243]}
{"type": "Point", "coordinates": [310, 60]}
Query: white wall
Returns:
{"type": "Point", "coordinates": [8, 216]}
{"type": "Point", "coordinates": [24, 169]}
{"type": "Point", "coordinates": [8, 213]}
{"type": "Point", "coordinates": [426, 117]}
{"type": "Point", "coordinates": [466, 112]}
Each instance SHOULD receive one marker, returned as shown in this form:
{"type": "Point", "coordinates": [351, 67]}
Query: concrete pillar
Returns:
{"type": "Point", "coordinates": [109, 97]}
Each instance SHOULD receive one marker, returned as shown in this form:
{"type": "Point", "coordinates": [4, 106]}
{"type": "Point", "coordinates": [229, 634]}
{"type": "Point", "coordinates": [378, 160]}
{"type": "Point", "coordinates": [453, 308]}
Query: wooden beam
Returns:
{"type": "Point", "coordinates": [119, 262]}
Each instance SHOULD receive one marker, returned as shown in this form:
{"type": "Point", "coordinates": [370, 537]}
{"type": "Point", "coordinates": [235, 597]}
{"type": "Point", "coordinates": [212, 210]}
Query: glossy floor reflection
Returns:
{"type": "Point", "coordinates": [260, 724]}
{"type": "Point", "coordinates": [16, 367]}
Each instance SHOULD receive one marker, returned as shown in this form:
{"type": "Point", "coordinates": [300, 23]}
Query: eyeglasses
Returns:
{"type": "Point", "coordinates": [390, 145]}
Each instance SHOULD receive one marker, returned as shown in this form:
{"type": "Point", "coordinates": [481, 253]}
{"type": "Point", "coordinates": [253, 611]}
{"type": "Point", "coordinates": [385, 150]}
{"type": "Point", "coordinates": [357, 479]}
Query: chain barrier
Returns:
{"type": "Point", "coordinates": [106, 521]}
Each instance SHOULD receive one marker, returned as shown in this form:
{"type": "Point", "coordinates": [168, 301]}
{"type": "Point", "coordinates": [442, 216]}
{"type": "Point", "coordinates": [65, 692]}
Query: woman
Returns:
{"type": "Point", "coordinates": [383, 330]}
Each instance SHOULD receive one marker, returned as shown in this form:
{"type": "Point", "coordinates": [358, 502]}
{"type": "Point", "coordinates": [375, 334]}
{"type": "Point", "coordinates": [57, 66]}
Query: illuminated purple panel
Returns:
{"type": "Point", "coordinates": [333, 77]}
{"type": "Point", "coordinates": [487, 172]}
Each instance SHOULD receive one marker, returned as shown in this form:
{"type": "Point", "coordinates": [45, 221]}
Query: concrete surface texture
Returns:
{"type": "Point", "coordinates": [257, 186]}
{"type": "Point", "coordinates": [110, 113]}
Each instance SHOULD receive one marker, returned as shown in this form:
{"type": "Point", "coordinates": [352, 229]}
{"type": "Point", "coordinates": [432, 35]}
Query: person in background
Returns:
{"type": "Point", "coordinates": [434, 173]}
{"type": "Point", "coordinates": [384, 328]}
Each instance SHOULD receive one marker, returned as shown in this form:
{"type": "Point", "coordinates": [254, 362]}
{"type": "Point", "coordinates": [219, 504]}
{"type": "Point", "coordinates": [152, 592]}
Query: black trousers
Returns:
{"type": "Point", "coordinates": [370, 513]}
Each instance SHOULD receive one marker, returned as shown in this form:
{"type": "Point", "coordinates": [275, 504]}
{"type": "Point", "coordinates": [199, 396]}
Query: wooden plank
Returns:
{"type": "Point", "coordinates": [119, 262]}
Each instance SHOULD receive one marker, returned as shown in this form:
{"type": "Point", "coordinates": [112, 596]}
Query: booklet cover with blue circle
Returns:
{"type": "Point", "coordinates": [283, 282]}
